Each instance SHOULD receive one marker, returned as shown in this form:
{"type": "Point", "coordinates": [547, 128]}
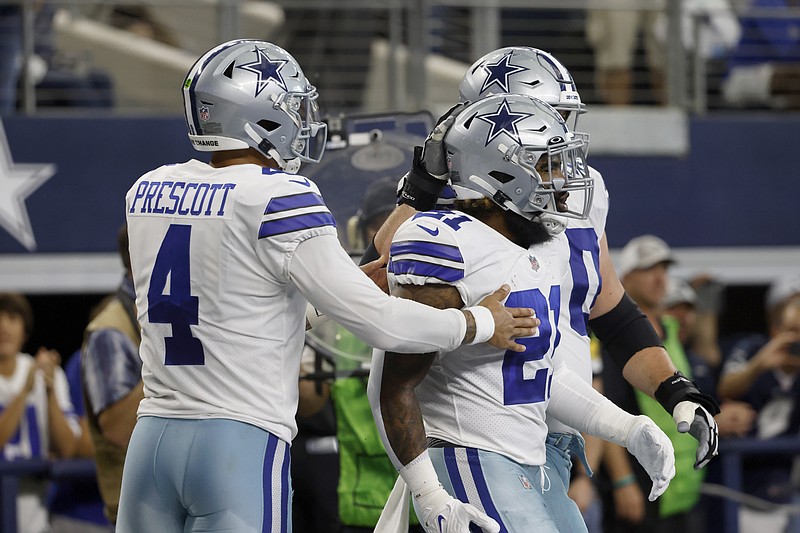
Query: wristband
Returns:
{"type": "Point", "coordinates": [315, 317]}
{"type": "Point", "coordinates": [630, 479]}
{"type": "Point", "coordinates": [484, 323]}
{"type": "Point", "coordinates": [420, 189]}
{"type": "Point", "coordinates": [677, 388]}
{"type": "Point", "coordinates": [370, 254]}
{"type": "Point", "coordinates": [420, 476]}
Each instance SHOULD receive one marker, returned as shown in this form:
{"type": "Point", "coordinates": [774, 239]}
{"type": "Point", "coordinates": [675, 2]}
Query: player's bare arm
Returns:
{"type": "Point", "coordinates": [402, 417]}
{"type": "Point", "coordinates": [400, 410]}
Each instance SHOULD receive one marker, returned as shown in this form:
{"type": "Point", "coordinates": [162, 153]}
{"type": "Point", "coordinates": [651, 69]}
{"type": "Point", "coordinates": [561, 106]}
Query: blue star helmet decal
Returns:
{"type": "Point", "coordinates": [503, 121]}
{"type": "Point", "coordinates": [267, 69]}
{"type": "Point", "coordinates": [498, 73]}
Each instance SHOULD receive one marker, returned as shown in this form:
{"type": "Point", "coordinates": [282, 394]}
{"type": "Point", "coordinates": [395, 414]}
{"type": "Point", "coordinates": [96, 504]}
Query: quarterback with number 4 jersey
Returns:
{"type": "Point", "coordinates": [513, 164]}
{"type": "Point", "coordinates": [225, 257]}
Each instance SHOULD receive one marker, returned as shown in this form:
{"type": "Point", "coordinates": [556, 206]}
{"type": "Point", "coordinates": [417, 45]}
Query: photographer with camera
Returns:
{"type": "Point", "coordinates": [763, 372]}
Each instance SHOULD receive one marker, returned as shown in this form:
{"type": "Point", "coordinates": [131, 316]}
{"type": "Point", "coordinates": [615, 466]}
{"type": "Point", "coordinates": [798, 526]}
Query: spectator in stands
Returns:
{"type": "Point", "coordinates": [75, 504]}
{"type": "Point", "coordinates": [763, 372]}
{"type": "Point", "coordinates": [764, 69]}
{"type": "Point", "coordinates": [140, 20]}
{"type": "Point", "coordinates": [112, 381]}
{"type": "Point", "coordinates": [37, 419]}
{"type": "Point", "coordinates": [58, 81]}
{"type": "Point", "coordinates": [643, 266]}
{"type": "Point", "coordinates": [613, 33]}
{"type": "Point", "coordinates": [757, 354]}
{"type": "Point", "coordinates": [697, 313]}
{"type": "Point", "coordinates": [10, 53]}
{"type": "Point", "coordinates": [697, 325]}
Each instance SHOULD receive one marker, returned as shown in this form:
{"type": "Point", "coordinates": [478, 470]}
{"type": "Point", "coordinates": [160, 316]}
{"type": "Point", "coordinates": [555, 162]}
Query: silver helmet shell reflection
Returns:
{"type": "Point", "coordinates": [495, 147]}
{"type": "Point", "coordinates": [253, 94]}
{"type": "Point", "coordinates": [522, 70]}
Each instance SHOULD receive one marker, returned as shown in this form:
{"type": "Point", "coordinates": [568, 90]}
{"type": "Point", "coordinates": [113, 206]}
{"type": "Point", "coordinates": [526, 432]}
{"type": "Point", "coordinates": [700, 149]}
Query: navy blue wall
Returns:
{"type": "Point", "coordinates": [739, 186]}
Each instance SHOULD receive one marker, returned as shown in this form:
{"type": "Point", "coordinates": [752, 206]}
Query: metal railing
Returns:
{"type": "Point", "coordinates": [376, 55]}
{"type": "Point", "coordinates": [12, 471]}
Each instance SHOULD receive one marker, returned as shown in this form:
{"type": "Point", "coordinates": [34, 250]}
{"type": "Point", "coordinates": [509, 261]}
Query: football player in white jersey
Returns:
{"type": "Point", "coordinates": [591, 294]}
{"type": "Point", "coordinates": [224, 257]}
{"type": "Point", "coordinates": [513, 163]}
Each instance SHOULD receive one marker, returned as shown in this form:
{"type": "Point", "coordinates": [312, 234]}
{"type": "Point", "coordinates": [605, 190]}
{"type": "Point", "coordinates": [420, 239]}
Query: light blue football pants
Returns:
{"type": "Point", "coordinates": [203, 476]}
{"type": "Point", "coordinates": [565, 512]}
{"type": "Point", "coordinates": [509, 492]}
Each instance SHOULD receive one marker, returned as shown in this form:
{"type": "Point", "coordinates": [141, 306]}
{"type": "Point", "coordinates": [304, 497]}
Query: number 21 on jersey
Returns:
{"type": "Point", "coordinates": [517, 389]}
{"type": "Point", "coordinates": [169, 298]}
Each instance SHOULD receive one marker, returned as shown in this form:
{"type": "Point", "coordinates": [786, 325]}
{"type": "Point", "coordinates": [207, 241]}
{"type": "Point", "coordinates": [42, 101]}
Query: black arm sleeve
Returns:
{"type": "Point", "coordinates": [624, 331]}
{"type": "Point", "coordinates": [370, 254]}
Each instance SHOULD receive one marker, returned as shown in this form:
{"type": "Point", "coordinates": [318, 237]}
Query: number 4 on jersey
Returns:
{"type": "Point", "coordinates": [174, 304]}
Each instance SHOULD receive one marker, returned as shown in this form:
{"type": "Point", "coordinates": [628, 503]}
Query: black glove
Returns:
{"type": "Point", "coordinates": [422, 185]}
{"type": "Point", "coordinates": [693, 412]}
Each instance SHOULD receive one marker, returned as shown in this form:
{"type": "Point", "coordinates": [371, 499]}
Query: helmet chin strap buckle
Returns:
{"type": "Point", "coordinates": [553, 225]}
{"type": "Point", "coordinates": [290, 166]}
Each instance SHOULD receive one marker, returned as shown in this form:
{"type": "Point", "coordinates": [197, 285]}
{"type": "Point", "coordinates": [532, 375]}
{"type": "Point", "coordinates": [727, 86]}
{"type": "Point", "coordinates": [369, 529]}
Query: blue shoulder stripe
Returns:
{"type": "Point", "coordinates": [280, 226]}
{"type": "Point", "coordinates": [430, 249]}
{"type": "Point", "coordinates": [293, 201]}
{"type": "Point", "coordinates": [421, 268]}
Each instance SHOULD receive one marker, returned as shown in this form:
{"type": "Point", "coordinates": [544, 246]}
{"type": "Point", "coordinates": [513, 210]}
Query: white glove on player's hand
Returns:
{"type": "Point", "coordinates": [693, 418]}
{"type": "Point", "coordinates": [653, 449]}
{"type": "Point", "coordinates": [441, 513]}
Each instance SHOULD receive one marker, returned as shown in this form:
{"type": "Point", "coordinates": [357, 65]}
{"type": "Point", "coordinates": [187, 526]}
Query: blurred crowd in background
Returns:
{"type": "Point", "coordinates": [702, 54]}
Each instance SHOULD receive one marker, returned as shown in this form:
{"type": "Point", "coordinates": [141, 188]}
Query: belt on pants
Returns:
{"type": "Point", "coordinates": [570, 443]}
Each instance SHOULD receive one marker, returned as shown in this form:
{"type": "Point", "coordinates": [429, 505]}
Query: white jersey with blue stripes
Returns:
{"type": "Point", "coordinates": [479, 396]}
{"type": "Point", "coordinates": [222, 323]}
{"type": "Point", "coordinates": [580, 245]}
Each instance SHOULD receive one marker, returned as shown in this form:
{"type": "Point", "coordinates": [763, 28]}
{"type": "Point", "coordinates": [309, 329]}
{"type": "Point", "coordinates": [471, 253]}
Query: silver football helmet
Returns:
{"type": "Point", "coordinates": [522, 70]}
{"type": "Point", "coordinates": [519, 152]}
{"type": "Point", "coordinates": [250, 93]}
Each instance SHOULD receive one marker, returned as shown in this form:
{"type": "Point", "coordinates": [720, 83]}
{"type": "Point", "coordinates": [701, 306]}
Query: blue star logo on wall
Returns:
{"type": "Point", "coordinates": [17, 182]}
{"type": "Point", "coordinates": [498, 73]}
{"type": "Point", "coordinates": [267, 70]}
{"type": "Point", "coordinates": [504, 121]}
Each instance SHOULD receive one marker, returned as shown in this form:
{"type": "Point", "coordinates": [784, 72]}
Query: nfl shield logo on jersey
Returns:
{"type": "Point", "coordinates": [204, 113]}
{"type": "Point", "coordinates": [534, 263]}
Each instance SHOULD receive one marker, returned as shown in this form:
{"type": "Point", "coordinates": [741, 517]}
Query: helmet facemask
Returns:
{"type": "Point", "coordinates": [556, 172]}
{"type": "Point", "coordinates": [530, 167]}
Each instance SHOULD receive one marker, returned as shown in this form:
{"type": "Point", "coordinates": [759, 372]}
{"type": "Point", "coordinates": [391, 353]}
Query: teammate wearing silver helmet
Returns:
{"type": "Point", "coordinates": [591, 295]}
{"type": "Point", "coordinates": [512, 158]}
{"type": "Point", "coordinates": [523, 70]}
{"type": "Point", "coordinates": [224, 257]}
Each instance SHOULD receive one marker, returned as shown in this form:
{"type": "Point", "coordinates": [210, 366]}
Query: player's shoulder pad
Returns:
{"type": "Point", "coordinates": [427, 248]}
{"type": "Point", "coordinates": [283, 183]}
{"type": "Point", "coordinates": [599, 182]}
{"type": "Point", "coordinates": [443, 226]}
{"type": "Point", "coordinates": [295, 204]}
